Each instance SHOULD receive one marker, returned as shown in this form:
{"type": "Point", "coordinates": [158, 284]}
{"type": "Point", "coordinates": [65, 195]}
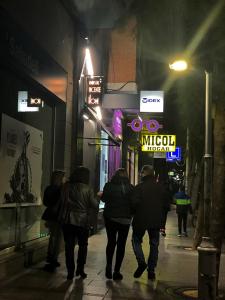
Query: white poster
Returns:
{"type": "Point", "coordinates": [20, 163]}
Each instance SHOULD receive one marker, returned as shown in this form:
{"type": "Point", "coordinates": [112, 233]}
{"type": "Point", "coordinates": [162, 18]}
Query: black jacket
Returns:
{"type": "Point", "coordinates": [77, 201]}
{"type": "Point", "coordinates": [116, 195]}
{"type": "Point", "coordinates": [51, 201]}
{"type": "Point", "coordinates": [149, 201]}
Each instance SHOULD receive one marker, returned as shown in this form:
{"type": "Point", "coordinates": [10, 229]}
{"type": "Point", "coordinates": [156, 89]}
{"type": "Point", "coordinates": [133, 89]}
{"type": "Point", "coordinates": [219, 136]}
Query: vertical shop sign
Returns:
{"type": "Point", "coordinates": [94, 90]}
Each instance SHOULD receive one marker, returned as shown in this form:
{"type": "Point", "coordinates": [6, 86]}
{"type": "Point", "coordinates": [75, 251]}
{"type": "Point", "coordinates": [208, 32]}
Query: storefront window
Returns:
{"type": "Point", "coordinates": [25, 163]}
{"type": "Point", "coordinates": [103, 163]}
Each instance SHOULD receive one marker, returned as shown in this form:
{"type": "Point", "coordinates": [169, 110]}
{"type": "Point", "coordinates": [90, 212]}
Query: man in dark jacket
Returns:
{"type": "Point", "coordinates": [149, 200]}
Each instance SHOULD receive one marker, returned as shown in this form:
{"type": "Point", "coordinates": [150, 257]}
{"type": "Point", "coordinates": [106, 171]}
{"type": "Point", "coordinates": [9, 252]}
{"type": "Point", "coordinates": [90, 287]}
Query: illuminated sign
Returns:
{"type": "Point", "coordinates": [94, 90]}
{"type": "Point", "coordinates": [151, 101]}
{"type": "Point", "coordinates": [23, 103]}
{"type": "Point", "coordinates": [158, 143]}
{"type": "Point", "coordinates": [159, 155]}
{"type": "Point", "coordinates": [34, 102]}
{"type": "Point", "coordinates": [151, 125]}
{"type": "Point", "coordinates": [174, 156]}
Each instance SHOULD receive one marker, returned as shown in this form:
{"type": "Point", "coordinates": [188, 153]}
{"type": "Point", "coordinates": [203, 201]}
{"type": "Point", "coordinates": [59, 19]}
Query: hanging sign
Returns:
{"type": "Point", "coordinates": [94, 90]}
{"type": "Point", "coordinates": [151, 125]}
{"type": "Point", "coordinates": [159, 143]}
{"type": "Point", "coordinates": [151, 101]}
{"type": "Point", "coordinates": [174, 156]}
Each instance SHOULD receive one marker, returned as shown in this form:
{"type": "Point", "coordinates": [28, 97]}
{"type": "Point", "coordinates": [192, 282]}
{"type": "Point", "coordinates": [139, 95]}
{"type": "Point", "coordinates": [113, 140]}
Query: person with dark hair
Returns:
{"type": "Point", "coordinates": [51, 200]}
{"type": "Point", "coordinates": [183, 206]}
{"type": "Point", "coordinates": [149, 200]}
{"type": "Point", "coordinates": [78, 200]}
{"type": "Point", "coordinates": [117, 216]}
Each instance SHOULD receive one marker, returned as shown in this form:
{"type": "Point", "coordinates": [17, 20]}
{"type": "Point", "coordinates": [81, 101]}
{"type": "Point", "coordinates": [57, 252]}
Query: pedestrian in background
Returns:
{"type": "Point", "coordinates": [51, 200]}
{"type": "Point", "coordinates": [149, 200]}
{"type": "Point", "coordinates": [77, 201]}
{"type": "Point", "coordinates": [183, 206]}
{"type": "Point", "coordinates": [117, 216]}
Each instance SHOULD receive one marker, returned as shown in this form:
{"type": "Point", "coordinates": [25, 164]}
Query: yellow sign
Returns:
{"type": "Point", "coordinates": [159, 143]}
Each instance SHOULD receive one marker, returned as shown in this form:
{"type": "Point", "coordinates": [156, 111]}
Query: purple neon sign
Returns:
{"type": "Point", "coordinates": [151, 125]}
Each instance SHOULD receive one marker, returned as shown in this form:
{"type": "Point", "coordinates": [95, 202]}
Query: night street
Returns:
{"type": "Point", "coordinates": [176, 273]}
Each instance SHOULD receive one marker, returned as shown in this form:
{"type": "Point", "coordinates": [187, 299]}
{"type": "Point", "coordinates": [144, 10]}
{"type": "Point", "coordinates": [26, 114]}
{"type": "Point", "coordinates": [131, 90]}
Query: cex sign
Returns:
{"type": "Point", "coordinates": [151, 101]}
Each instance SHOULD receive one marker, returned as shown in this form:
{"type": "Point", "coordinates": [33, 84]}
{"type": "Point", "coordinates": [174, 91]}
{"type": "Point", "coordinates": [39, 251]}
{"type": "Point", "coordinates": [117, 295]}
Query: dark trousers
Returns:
{"type": "Point", "coordinates": [164, 218]}
{"type": "Point", "coordinates": [117, 236]}
{"type": "Point", "coordinates": [72, 234]}
{"type": "Point", "coordinates": [137, 239]}
{"type": "Point", "coordinates": [182, 220]}
{"type": "Point", "coordinates": [55, 240]}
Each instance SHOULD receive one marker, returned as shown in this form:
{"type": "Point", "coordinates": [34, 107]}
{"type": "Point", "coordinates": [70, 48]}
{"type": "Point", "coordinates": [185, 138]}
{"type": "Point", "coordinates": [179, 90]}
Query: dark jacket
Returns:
{"type": "Point", "coordinates": [149, 201]}
{"type": "Point", "coordinates": [78, 200]}
{"type": "Point", "coordinates": [116, 195]}
{"type": "Point", "coordinates": [183, 203]}
{"type": "Point", "coordinates": [51, 201]}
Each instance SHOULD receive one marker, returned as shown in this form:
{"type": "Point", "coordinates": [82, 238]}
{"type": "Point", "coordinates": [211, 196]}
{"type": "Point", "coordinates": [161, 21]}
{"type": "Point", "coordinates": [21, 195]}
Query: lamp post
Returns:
{"type": "Point", "coordinates": [207, 281]}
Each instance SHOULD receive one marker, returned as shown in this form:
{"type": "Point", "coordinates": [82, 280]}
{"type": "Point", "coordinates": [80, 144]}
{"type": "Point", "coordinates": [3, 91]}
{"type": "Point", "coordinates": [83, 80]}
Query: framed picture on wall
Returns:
{"type": "Point", "coordinates": [20, 163]}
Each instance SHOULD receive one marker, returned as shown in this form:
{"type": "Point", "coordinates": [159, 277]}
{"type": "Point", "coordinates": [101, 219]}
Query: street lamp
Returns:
{"type": "Point", "coordinates": [207, 281]}
{"type": "Point", "coordinates": [179, 65]}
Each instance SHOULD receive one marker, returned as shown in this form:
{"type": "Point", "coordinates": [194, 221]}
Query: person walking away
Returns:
{"type": "Point", "coordinates": [78, 200]}
{"type": "Point", "coordinates": [51, 201]}
{"type": "Point", "coordinates": [183, 206]}
{"type": "Point", "coordinates": [117, 216]}
{"type": "Point", "coordinates": [149, 200]}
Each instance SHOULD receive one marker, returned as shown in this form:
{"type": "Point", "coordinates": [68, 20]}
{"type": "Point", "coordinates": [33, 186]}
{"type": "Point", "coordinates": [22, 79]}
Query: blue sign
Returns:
{"type": "Point", "coordinates": [174, 156]}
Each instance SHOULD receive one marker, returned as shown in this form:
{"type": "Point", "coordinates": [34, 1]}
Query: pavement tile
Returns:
{"type": "Point", "coordinates": [176, 268]}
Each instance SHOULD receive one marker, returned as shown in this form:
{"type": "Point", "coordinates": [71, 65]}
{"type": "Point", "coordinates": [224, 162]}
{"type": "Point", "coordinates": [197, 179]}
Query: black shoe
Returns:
{"type": "Point", "coordinates": [81, 273]}
{"type": "Point", "coordinates": [140, 270]}
{"type": "Point", "coordinates": [108, 272]}
{"type": "Point", "coordinates": [70, 276]}
{"type": "Point", "coordinates": [49, 268]}
{"type": "Point", "coordinates": [117, 276]}
{"type": "Point", "coordinates": [54, 263]}
{"type": "Point", "coordinates": [151, 275]}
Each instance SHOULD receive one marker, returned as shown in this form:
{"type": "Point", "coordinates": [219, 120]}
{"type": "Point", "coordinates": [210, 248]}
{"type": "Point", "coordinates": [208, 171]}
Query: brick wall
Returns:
{"type": "Point", "coordinates": [122, 58]}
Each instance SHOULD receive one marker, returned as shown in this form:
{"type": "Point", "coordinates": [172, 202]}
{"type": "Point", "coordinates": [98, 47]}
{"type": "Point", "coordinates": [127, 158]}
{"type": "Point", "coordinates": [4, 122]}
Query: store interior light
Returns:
{"type": "Point", "coordinates": [85, 116]}
{"type": "Point", "coordinates": [98, 112]}
{"type": "Point", "coordinates": [88, 62]}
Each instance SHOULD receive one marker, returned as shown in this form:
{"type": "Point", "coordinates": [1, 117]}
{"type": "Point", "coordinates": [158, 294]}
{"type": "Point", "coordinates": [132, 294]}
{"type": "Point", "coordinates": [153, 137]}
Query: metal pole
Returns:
{"type": "Point", "coordinates": [207, 283]}
{"type": "Point", "coordinates": [187, 164]}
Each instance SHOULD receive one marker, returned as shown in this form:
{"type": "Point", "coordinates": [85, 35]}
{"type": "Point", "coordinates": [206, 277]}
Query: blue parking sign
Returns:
{"type": "Point", "coordinates": [174, 156]}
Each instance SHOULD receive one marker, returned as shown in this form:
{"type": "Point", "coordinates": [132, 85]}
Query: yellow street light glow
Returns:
{"type": "Point", "coordinates": [88, 62]}
{"type": "Point", "coordinates": [98, 112]}
{"type": "Point", "coordinates": [179, 65]}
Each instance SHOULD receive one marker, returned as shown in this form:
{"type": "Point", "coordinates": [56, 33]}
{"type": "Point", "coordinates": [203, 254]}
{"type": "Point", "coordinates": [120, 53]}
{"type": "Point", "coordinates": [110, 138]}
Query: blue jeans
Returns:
{"type": "Point", "coordinates": [137, 238]}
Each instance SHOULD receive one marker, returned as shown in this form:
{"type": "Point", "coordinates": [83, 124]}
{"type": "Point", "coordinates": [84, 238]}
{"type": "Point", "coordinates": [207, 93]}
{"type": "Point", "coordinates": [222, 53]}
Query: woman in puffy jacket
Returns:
{"type": "Point", "coordinates": [74, 215]}
{"type": "Point", "coordinates": [117, 216]}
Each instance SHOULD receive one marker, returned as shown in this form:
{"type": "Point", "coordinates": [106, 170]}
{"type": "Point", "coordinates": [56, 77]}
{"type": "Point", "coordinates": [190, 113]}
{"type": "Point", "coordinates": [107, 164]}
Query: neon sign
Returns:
{"type": "Point", "coordinates": [151, 125]}
{"type": "Point", "coordinates": [159, 143]}
{"type": "Point", "coordinates": [174, 156]}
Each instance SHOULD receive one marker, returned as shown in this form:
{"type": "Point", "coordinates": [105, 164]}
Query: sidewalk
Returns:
{"type": "Point", "coordinates": [176, 271]}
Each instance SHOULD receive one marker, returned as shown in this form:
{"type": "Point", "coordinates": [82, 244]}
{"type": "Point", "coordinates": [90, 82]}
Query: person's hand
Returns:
{"type": "Point", "coordinates": [99, 194]}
